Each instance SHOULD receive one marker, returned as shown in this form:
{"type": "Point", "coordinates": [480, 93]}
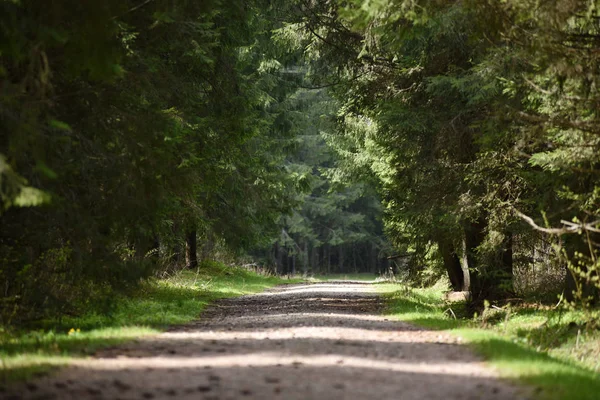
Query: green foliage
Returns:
{"type": "Point", "coordinates": [541, 347]}
{"type": "Point", "coordinates": [336, 224]}
{"type": "Point", "coordinates": [153, 307]}
{"type": "Point", "coordinates": [464, 112]}
{"type": "Point", "coordinates": [122, 130]}
{"type": "Point", "coordinates": [14, 191]}
{"type": "Point", "coordinates": [292, 127]}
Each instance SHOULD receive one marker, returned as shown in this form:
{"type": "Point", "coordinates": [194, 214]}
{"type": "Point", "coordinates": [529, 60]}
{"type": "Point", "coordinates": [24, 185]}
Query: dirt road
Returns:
{"type": "Point", "coordinates": [319, 341]}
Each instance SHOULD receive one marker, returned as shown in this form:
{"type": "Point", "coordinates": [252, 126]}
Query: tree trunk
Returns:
{"type": "Point", "coordinates": [506, 266]}
{"type": "Point", "coordinates": [146, 249]}
{"type": "Point", "coordinates": [207, 247]}
{"type": "Point", "coordinates": [473, 237]}
{"type": "Point", "coordinates": [305, 259]}
{"type": "Point", "coordinates": [314, 264]}
{"type": "Point", "coordinates": [570, 285]}
{"type": "Point", "coordinates": [176, 251]}
{"type": "Point", "coordinates": [322, 264]}
{"type": "Point", "coordinates": [155, 250]}
{"type": "Point", "coordinates": [453, 267]}
{"type": "Point", "coordinates": [279, 259]}
{"type": "Point", "coordinates": [373, 259]}
{"type": "Point", "coordinates": [464, 266]}
{"type": "Point", "coordinates": [176, 255]}
{"type": "Point", "coordinates": [191, 257]}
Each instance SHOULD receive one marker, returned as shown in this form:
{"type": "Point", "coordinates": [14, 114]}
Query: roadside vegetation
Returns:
{"type": "Point", "coordinates": [412, 138]}
{"type": "Point", "coordinates": [151, 308]}
{"type": "Point", "coordinates": [548, 348]}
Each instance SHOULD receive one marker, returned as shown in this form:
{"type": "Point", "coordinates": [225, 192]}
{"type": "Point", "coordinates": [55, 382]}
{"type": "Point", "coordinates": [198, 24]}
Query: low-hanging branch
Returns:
{"type": "Point", "coordinates": [570, 227]}
{"type": "Point", "coordinates": [133, 9]}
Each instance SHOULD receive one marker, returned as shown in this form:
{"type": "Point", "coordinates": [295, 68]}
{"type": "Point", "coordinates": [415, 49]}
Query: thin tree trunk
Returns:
{"type": "Point", "coordinates": [191, 256]}
{"type": "Point", "coordinates": [570, 285]}
{"type": "Point", "coordinates": [175, 257]}
{"type": "Point", "coordinates": [506, 279]}
{"type": "Point", "coordinates": [273, 255]}
{"type": "Point", "coordinates": [305, 259]}
{"type": "Point", "coordinates": [473, 237]}
{"type": "Point", "coordinates": [373, 259]}
{"type": "Point", "coordinates": [207, 247]}
{"type": "Point", "coordinates": [155, 250]}
{"type": "Point", "coordinates": [464, 266]}
{"type": "Point", "coordinates": [279, 262]}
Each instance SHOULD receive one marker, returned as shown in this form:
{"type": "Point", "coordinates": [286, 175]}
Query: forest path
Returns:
{"type": "Point", "coordinates": [308, 341]}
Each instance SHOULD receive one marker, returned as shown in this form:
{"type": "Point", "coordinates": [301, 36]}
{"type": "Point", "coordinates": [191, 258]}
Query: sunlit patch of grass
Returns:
{"type": "Point", "coordinates": [29, 353]}
{"type": "Point", "coordinates": [155, 306]}
{"type": "Point", "coordinates": [527, 345]}
{"type": "Point", "coordinates": [552, 378]}
{"type": "Point", "coordinates": [419, 306]}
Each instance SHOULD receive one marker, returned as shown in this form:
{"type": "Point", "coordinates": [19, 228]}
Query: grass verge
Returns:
{"type": "Point", "coordinates": [540, 347]}
{"type": "Point", "coordinates": [155, 306]}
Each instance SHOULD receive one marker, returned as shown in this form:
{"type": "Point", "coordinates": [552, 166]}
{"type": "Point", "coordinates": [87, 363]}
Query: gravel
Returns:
{"type": "Point", "coordinates": [308, 341]}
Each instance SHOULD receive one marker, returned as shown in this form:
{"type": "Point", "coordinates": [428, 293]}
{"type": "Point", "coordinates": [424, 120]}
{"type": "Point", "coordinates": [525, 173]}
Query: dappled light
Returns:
{"type": "Point", "coordinates": [325, 288]}
{"type": "Point", "coordinates": [305, 341]}
{"type": "Point", "coordinates": [275, 359]}
{"type": "Point", "coordinates": [300, 199]}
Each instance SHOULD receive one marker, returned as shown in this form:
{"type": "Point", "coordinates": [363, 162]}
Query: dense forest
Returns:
{"type": "Point", "coordinates": [456, 138]}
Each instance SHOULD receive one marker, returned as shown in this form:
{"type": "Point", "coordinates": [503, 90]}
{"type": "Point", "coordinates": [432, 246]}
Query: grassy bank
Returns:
{"type": "Point", "coordinates": [539, 346]}
{"type": "Point", "coordinates": [155, 306]}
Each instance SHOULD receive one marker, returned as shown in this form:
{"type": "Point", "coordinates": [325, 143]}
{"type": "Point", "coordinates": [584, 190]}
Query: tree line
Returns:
{"type": "Point", "coordinates": [337, 225]}
{"type": "Point", "coordinates": [459, 137]}
{"type": "Point", "coordinates": [131, 125]}
{"type": "Point", "coordinates": [138, 137]}
{"type": "Point", "coordinates": [479, 121]}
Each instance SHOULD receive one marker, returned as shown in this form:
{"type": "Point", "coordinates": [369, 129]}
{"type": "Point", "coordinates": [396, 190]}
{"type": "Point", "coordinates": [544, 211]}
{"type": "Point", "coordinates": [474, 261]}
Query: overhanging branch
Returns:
{"type": "Point", "coordinates": [569, 227]}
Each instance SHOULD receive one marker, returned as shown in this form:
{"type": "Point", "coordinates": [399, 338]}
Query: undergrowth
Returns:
{"type": "Point", "coordinates": [544, 347]}
{"type": "Point", "coordinates": [157, 304]}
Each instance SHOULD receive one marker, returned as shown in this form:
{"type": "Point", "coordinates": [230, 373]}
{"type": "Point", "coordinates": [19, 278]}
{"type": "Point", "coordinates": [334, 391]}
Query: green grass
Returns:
{"type": "Point", "coordinates": [155, 306]}
{"type": "Point", "coordinates": [537, 347]}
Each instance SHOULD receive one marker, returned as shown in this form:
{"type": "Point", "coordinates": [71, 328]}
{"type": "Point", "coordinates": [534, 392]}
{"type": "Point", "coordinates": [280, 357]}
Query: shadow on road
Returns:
{"type": "Point", "coordinates": [320, 341]}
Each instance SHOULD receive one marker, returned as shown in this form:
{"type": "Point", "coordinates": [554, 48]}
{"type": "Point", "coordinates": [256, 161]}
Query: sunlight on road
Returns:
{"type": "Point", "coordinates": [280, 359]}
{"type": "Point", "coordinates": [324, 288]}
{"type": "Point", "coordinates": [309, 332]}
{"type": "Point", "coordinates": [316, 341]}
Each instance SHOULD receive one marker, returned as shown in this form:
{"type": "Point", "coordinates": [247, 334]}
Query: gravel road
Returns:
{"type": "Point", "coordinates": [310, 341]}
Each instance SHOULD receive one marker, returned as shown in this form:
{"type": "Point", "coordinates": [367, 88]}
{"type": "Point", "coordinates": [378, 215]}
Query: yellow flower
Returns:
{"type": "Point", "coordinates": [71, 331]}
